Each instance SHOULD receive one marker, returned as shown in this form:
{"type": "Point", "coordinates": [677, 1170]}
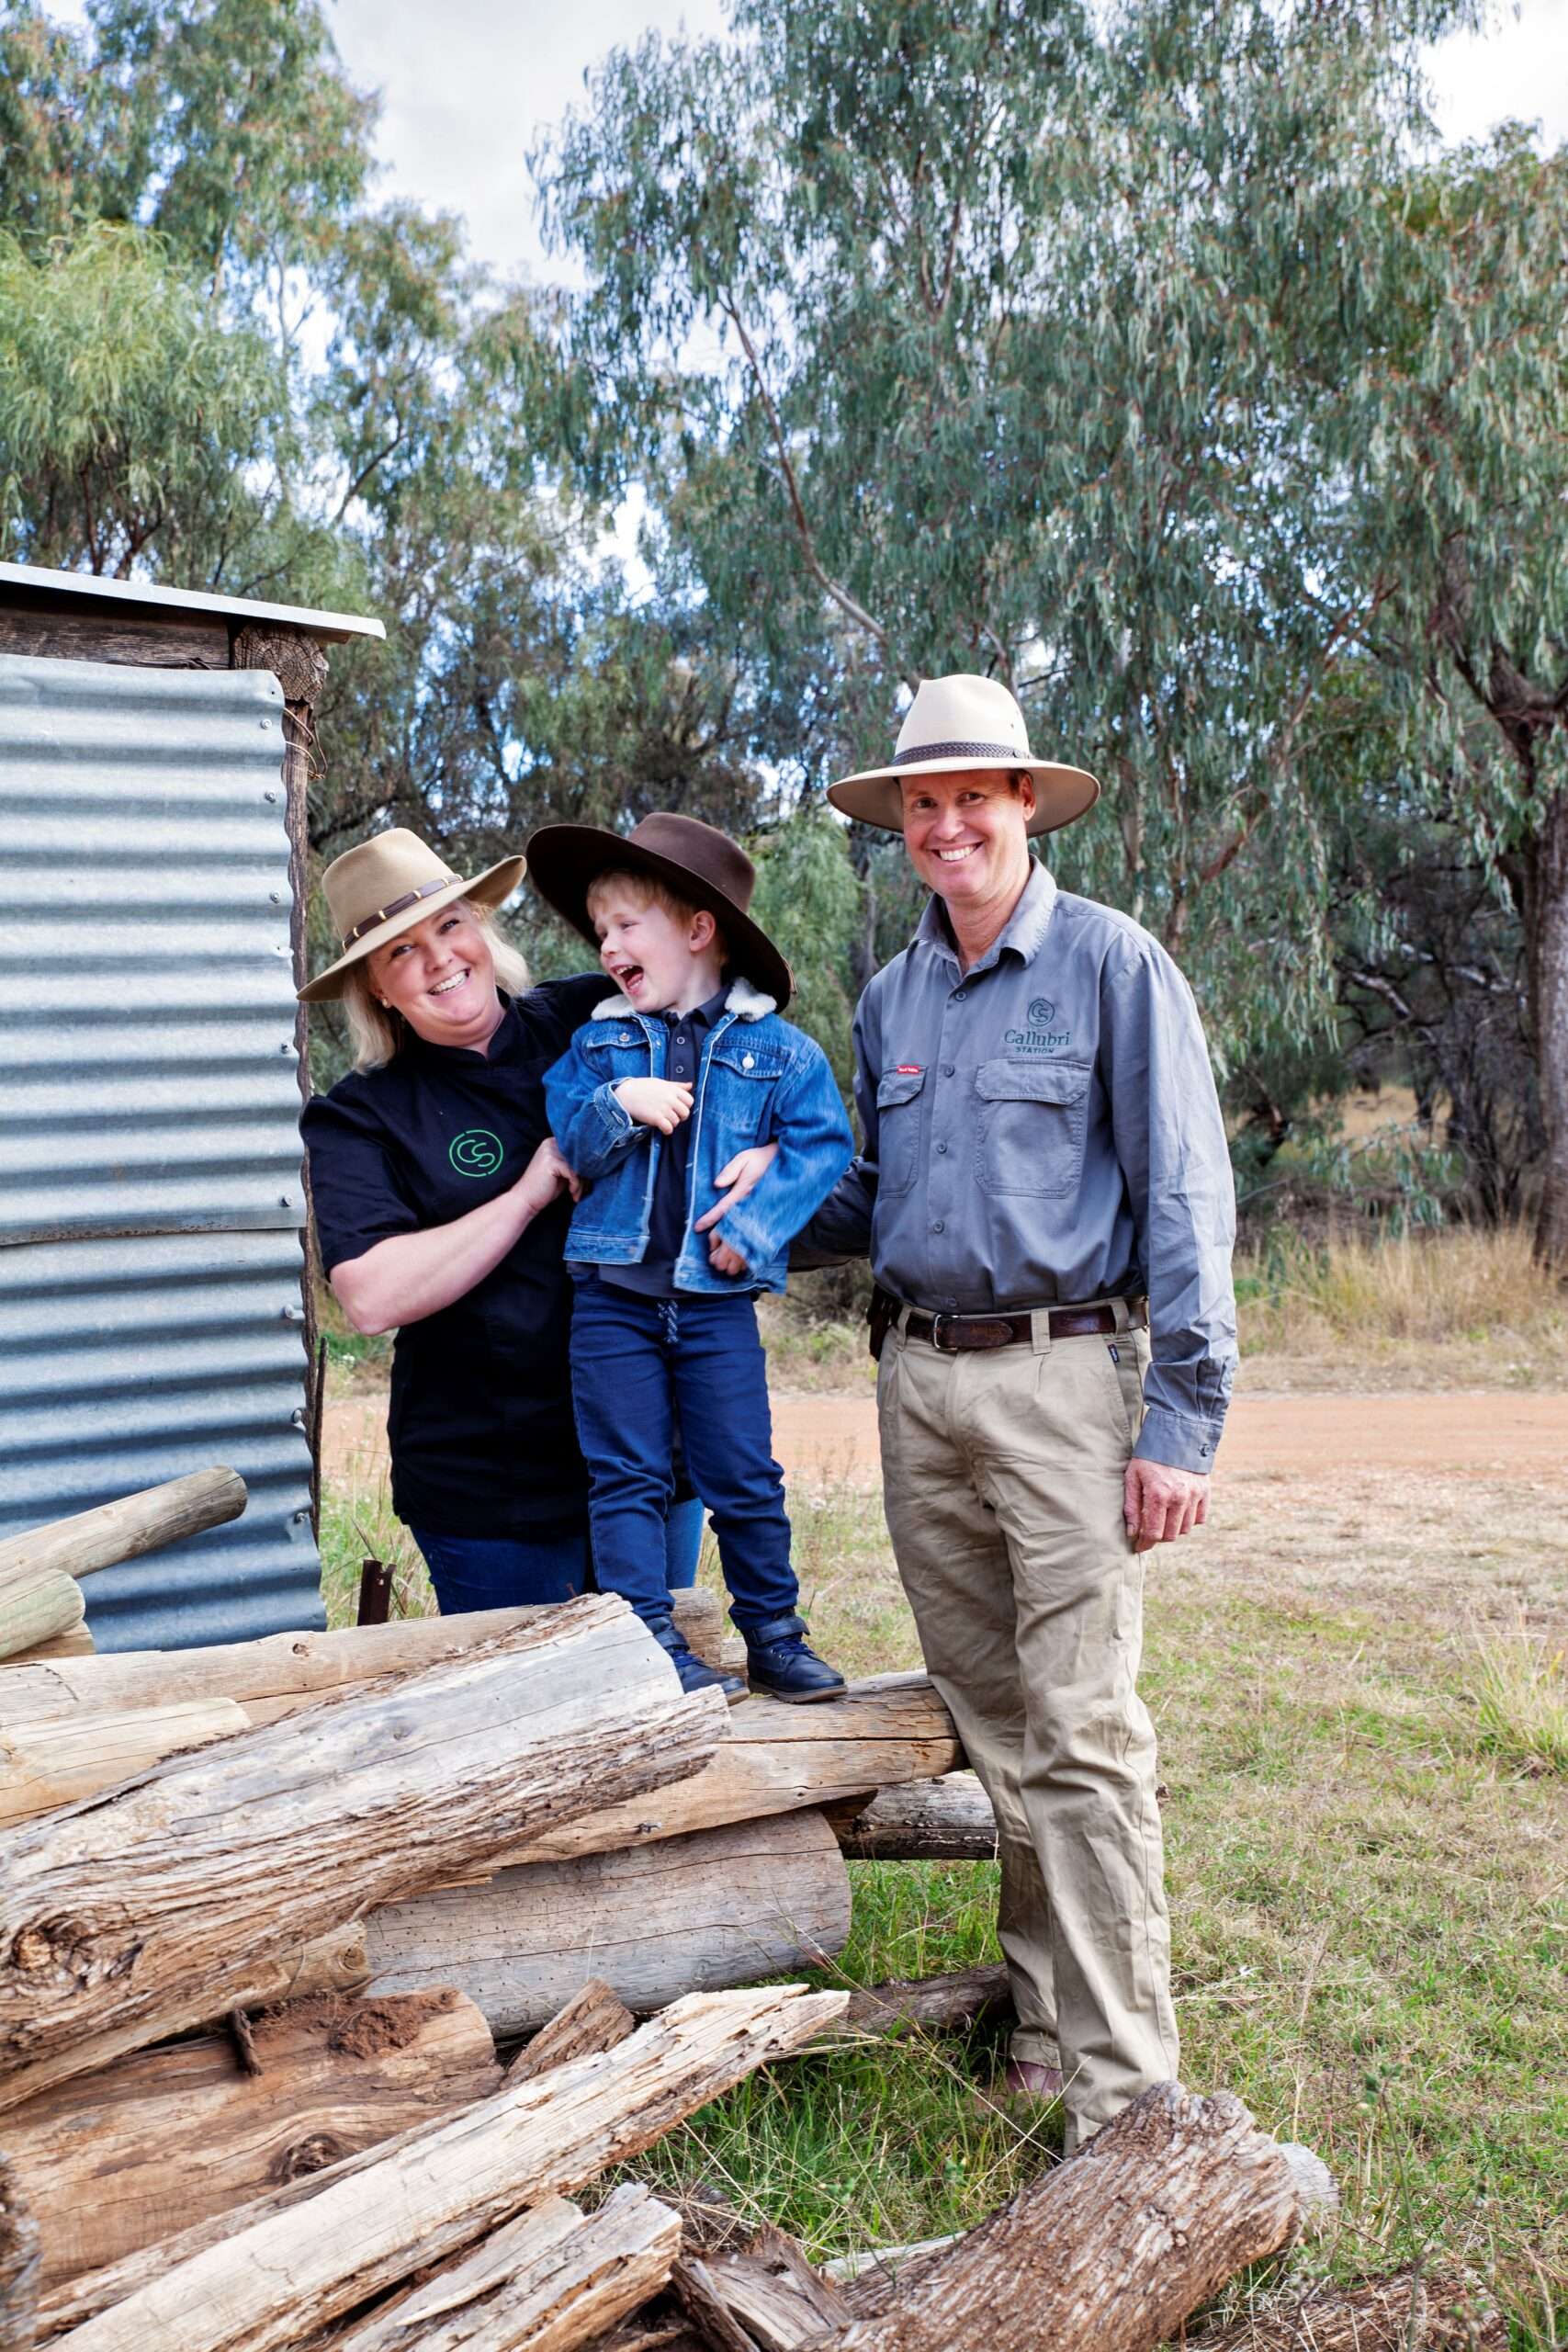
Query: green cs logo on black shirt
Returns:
{"type": "Point", "coordinates": [476, 1152]}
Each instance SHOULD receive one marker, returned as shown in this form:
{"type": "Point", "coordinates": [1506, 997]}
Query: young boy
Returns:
{"type": "Point", "coordinates": [686, 1065]}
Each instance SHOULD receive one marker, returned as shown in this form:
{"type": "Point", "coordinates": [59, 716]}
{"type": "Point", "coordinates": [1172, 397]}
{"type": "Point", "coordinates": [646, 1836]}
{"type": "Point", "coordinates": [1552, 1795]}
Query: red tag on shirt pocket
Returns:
{"type": "Point", "coordinates": [908, 1069]}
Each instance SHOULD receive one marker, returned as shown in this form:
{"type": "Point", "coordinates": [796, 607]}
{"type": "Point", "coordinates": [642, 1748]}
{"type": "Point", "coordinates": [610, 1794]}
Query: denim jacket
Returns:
{"type": "Point", "coordinates": [758, 1080]}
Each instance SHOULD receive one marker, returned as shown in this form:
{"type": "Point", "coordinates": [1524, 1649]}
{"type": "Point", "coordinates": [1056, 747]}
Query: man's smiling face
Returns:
{"type": "Point", "coordinates": [967, 833]}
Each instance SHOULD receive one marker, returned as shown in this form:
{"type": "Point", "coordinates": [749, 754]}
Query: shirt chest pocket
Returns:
{"type": "Point", "coordinates": [1029, 1136]}
{"type": "Point", "coordinates": [739, 1090]}
{"type": "Point", "coordinates": [898, 1129]}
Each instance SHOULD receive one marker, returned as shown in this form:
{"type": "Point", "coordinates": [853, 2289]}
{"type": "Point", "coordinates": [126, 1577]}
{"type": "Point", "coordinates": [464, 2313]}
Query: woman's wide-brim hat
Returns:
{"type": "Point", "coordinates": [964, 722]}
{"type": "Point", "coordinates": [387, 885]}
{"type": "Point", "coordinates": [695, 861]}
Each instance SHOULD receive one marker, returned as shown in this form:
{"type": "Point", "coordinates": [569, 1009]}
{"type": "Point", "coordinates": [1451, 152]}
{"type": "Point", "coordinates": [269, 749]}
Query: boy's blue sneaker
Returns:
{"type": "Point", "coordinates": [780, 1663]}
{"type": "Point", "coordinates": [694, 1674]}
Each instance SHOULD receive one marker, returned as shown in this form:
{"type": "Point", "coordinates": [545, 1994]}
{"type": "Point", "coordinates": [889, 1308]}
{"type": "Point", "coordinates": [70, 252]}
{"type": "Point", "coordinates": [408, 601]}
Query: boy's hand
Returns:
{"type": "Point", "coordinates": [661, 1102]}
{"type": "Point", "coordinates": [724, 1259]}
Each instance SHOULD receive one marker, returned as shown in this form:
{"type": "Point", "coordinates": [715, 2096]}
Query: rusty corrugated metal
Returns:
{"type": "Point", "coordinates": [149, 1160]}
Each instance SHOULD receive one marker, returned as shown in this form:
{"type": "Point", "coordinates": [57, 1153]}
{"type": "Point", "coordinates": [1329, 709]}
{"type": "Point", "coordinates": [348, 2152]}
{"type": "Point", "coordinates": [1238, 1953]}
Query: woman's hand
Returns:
{"type": "Point", "coordinates": [661, 1102]}
{"type": "Point", "coordinates": [736, 1179]}
{"type": "Point", "coordinates": [544, 1178]}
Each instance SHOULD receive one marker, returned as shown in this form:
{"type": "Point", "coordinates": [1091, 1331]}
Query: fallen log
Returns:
{"type": "Point", "coordinates": [1437, 2311]}
{"type": "Point", "coordinates": [948, 1820]}
{"type": "Point", "coordinates": [148, 1907]}
{"type": "Point", "coordinates": [928, 2004]}
{"type": "Point", "coordinates": [274, 2272]}
{"type": "Point", "coordinates": [283, 1673]}
{"type": "Point", "coordinates": [727, 1907]}
{"type": "Point", "coordinates": [49, 1764]}
{"type": "Point", "coordinates": [772, 2291]}
{"type": "Point", "coordinates": [76, 1643]}
{"type": "Point", "coordinates": [593, 2020]}
{"type": "Point", "coordinates": [553, 2279]}
{"type": "Point", "coordinates": [120, 1530]}
{"type": "Point", "coordinates": [121, 2159]}
{"type": "Point", "coordinates": [1111, 2252]}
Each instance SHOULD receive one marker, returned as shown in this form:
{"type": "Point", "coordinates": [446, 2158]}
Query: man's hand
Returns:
{"type": "Point", "coordinates": [661, 1102]}
{"type": "Point", "coordinates": [1160, 1503]}
{"type": "Point", "coordinates": [544, 1178]}
{"type": "Point", "coordinates": [740, 1175]}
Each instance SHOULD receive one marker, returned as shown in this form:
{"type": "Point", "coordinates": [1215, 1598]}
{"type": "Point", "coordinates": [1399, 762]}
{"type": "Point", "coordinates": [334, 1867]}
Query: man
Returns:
{"type": "Point", "coordinates": [1047, 1198]}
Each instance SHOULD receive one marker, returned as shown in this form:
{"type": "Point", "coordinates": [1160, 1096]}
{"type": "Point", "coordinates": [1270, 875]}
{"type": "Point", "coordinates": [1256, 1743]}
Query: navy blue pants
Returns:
{"type": "Point", "coordinates": [636, 1362]}
{"type": "Point", "coordinates": [505, 1572]}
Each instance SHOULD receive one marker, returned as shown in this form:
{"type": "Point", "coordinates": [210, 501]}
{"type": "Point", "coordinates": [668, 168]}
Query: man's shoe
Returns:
{"type": "Point", "coordinates": [779, 1663]}
{"type": "Point", "coordinates": [694, 1674]}
{"type": "Point", "coordinates": [1025, 2080]}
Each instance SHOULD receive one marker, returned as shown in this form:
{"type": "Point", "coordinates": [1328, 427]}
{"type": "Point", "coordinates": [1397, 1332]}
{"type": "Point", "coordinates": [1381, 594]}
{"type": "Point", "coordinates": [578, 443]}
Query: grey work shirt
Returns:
{"type": "Point", "coordinates": [1042, 1128]}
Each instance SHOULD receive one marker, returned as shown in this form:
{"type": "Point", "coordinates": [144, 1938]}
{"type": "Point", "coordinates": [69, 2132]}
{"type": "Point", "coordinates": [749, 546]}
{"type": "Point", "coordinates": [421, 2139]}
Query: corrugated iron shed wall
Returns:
{"type": "Point", "coordinates": [150, 1202]}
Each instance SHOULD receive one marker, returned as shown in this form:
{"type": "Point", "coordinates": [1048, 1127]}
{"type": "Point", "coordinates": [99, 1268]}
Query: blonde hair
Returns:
{"type": "Point", "coordinates": [378, 1032]}
{"type": "Point", "coordinates": [649, 890]}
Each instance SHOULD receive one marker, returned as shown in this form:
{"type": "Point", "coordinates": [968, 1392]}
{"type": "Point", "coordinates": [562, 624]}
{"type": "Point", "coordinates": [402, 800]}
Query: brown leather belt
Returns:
{"type": "Point", "coordinates": [953, 1333]}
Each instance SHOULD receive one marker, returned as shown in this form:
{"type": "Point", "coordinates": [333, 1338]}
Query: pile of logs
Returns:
{"type": "Point", "coordinates": [266, 1911]}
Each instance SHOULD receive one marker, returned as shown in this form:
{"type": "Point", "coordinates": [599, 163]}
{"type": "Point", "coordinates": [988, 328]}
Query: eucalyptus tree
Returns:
{"type": "Point", "coordinates": [1012, 337]}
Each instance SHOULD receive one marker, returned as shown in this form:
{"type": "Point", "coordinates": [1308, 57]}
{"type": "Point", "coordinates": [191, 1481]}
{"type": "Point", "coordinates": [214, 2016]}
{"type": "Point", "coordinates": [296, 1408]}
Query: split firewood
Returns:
{"type": "Point", "coordinates": [551, 2279]}
{"type": "Point", "coordinates": [1111, 2252]}
{"type": "Point", "coordinates": [18, 2264]}
{"type": "Point", "coordinates": [49, 1764]}
{"type": "Point", "coordinates": [728, 1907]}
{"type": "Point", "coordinates": [108, 2157]}
{"type": "Point", "coordinates": [1437, 2311]}
{"type": "Point", "coordinates": [592, 2022]}
{"type": "Point", "coordinates": [712, 2324]}
{"type": "Point", "coordinates": [282, 1673]}
{"type": "Point", "coordinates": [77, 1643]}
{"type": "Point", "coordinates": [120, 1530]}
{"type": "Point", "coordinates": [774, 2293]}
{"type": "Point", "coordinates": [948, 1820]}
{"type": "Point", "coordinates": [277, 2271]}
{"type": "Point", "coordinates": [40, 1612]}
{"type": "Point", "coordinates": [145, 1909]}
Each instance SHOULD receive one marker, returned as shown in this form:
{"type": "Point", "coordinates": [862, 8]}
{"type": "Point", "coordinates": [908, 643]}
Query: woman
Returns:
{"type": "Point", "coordinates": [441, 1207]}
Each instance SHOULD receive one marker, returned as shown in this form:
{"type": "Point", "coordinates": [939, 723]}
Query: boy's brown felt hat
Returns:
{"type": "Point", "coordinates": [695, 861]}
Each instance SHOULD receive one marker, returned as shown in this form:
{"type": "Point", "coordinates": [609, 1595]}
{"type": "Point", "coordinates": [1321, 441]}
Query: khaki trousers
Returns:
{"type": "Point", "coordinates": [1002, 1475]}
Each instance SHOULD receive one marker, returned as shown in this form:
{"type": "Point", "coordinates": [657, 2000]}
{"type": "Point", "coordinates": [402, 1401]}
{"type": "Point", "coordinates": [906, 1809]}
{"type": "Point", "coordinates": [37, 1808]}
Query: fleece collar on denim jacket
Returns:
{"type": "Point", "coordinates": [746, 1003]}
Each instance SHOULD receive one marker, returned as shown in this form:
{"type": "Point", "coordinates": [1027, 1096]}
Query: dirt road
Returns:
{"type": "Point", "coordinates": [833, 1438]}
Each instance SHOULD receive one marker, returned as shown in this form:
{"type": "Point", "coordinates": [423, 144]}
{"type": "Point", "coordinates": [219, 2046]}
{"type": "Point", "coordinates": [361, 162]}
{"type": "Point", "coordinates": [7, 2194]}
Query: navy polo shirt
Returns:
{"type": "Point", "coordinates": [654, 1273]}
{"type": "Point", "coordinates": [482, 1437]}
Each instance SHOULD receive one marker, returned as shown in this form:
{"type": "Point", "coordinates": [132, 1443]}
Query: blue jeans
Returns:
{"type": "Point", "coordinates": [502, 1572]}
{"type": "Point", "coordinates": [636, 1362]}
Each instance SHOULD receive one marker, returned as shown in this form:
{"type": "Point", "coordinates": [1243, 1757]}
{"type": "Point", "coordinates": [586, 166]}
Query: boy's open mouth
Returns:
{"type": "Point", "coordinates": [630, 977]}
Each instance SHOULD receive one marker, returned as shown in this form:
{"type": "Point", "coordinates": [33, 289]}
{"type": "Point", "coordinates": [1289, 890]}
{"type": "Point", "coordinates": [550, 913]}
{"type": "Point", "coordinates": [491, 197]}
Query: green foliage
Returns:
{"type": "Point", "coordinates": [809, 904]}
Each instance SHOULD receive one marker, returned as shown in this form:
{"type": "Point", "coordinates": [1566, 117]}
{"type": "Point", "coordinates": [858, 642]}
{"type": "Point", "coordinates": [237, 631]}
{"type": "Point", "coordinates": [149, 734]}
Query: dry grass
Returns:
{"type": "Point", "coordinates": [1515, 1700]}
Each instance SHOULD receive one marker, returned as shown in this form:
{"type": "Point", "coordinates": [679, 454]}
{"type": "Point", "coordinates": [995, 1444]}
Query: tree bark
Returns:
{"type": "Point", "coordinates": [553, 2279]}
{"type": "Point", "coordinates": [158, 1902]}
{"type": "Point", "coordinates": [1436, 2313]}
{"type": "Point", "coordinates": [1109, 2252]}
{"type": "Point", "coordinates": [164, 2138]}
{"type": "Point", "coordinates": [279, 2270]}
{"type": "Point", "coordinates": [928, 2004]}
{"type": "Point", "coordinates": [281, 1674]}
{"type": "Point", "coordinates": [122, 1529]}
{"type": "Point", "coordinates": [726, 1906]}
{"type": "Point", "coordinates": [948, 1820]}
{"type": "Point", "coordinates": [1547, 932]}
{"type": "Point", "coordinates": [45, 1765]}
{"type": "Point", "coordinates": [592, 2022]}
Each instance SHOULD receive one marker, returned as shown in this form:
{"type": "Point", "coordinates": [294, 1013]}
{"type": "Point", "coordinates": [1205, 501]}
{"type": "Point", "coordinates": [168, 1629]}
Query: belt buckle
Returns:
{"type": "Point", "coordinates": [943, 1347]}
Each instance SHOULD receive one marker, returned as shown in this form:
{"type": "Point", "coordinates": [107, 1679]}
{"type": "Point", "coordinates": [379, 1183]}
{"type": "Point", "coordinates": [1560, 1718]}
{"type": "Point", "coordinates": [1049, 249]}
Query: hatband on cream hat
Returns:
{"type": "Point", "coordinates": [964, 722]}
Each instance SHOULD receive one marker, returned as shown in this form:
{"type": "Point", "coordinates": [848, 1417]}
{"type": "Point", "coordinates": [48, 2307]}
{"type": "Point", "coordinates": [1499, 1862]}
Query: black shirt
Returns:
{"type": "Point", "coordinates": [654, 1273]}
{"type": "Point", "coordinates": [480, 1423]}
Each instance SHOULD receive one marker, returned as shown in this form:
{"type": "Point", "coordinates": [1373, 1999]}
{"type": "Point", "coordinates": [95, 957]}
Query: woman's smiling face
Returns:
{"type": "Point", "coordinates": [441, 976]}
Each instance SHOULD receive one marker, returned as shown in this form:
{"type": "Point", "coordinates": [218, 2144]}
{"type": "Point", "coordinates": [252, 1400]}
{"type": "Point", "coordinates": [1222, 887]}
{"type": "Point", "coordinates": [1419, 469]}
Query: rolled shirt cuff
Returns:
{"type": "Point", "coordinates": [1178, 1441]}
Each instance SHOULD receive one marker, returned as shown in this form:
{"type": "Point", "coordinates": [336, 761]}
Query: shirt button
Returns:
{"type": "Point", "coordinates": [937, 1228]}
{"type": "Point", "coordinates": [941, 1147]}
{"type": "Point", "coordinates": [960, 996]}
{"type": "Point", "coordinates": [948, 1069]}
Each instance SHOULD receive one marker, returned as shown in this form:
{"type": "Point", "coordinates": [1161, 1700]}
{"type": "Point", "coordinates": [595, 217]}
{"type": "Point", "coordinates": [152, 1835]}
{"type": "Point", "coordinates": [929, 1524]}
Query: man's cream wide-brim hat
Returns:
{"type": "Point", "coordinates": [964, 722]}
{"type": "Point", "coordinates": [385, 886]}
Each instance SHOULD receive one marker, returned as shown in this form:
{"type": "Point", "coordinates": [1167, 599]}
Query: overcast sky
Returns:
{"type": "Point", "coordinates": [466, 84]}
